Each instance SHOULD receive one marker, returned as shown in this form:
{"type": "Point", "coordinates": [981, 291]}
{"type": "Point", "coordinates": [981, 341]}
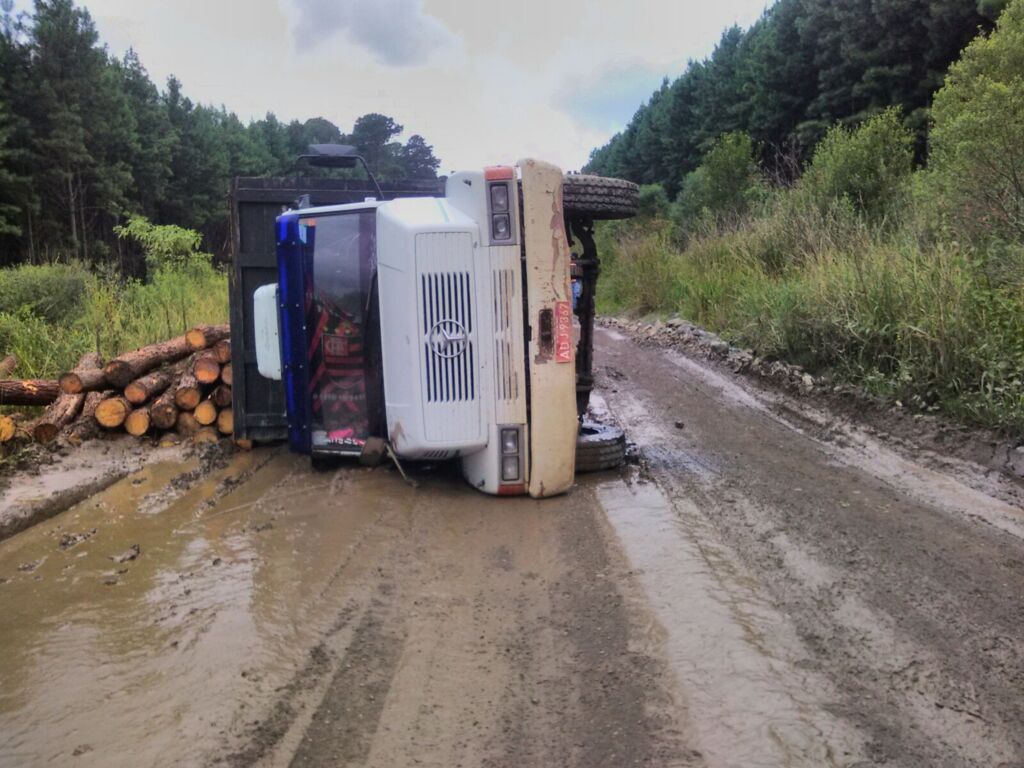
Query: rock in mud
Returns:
{"type": "Point", "coordinates": [129, 554]}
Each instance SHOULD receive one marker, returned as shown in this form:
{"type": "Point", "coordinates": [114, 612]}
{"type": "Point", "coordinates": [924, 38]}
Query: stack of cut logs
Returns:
{"type": "Point", "coordinates": [181, 385]}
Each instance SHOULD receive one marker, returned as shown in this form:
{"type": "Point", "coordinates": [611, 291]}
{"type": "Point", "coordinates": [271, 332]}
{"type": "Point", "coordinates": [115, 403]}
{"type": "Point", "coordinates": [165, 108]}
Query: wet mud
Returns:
{"type": "Point", "coordinates": [765, 587]}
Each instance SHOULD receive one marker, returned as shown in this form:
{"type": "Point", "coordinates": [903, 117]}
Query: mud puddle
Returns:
{"type": "Point", "coordinates": [138, 624]}
{"type": "Point", "coordinates": [741, 667]}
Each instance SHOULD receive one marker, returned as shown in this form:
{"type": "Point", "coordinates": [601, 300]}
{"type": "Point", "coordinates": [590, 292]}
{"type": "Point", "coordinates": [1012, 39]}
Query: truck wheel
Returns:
{"type": "Point", "coordinates": [598, 198]}
{"type": "Point", "coordinates": [599, 447]}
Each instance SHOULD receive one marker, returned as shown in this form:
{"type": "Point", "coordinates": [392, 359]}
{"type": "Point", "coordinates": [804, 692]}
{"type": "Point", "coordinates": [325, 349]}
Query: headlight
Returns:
{"type": "Point", "coordinates": [510, 468]}
{"type": "Point", "coordinates": [499, 198]}
{"type": "Point", "coordinates": [510, 441]}
{"type": "Point", "coordinates": [500, 228]}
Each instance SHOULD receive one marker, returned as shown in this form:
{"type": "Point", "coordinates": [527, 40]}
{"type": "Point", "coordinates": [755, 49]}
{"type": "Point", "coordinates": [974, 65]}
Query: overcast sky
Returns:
{"type": "Point", "coordinates": [484, 82]}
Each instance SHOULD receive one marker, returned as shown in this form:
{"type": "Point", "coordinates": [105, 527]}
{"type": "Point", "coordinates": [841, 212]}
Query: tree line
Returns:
{"type": "Point", "coordinates": [87, 139]}
{"type": "Point", "coordinates": [804, 66]}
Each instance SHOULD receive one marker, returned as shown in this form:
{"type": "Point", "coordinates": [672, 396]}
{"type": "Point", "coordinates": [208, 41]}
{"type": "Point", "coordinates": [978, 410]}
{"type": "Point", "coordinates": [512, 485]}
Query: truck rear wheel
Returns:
{"type": "Point", "coordinates": [599, 447]}
{"type": "Point", "coordinates": [599, 198]}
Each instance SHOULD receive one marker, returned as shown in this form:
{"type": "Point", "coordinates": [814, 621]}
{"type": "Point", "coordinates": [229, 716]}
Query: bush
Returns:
{"type": "Point", "coordinates": [977, 139]}
{"type": "Point", "coordinates": [724, 185]}
{"type": "Point", "coordinates": [653, 202]}
{"type": "Point", "coordinates": [868, 167]}
{"type": "Point", "coordinates": [99, 312]}
{"type": "Point", "coordinates": [52, 292]}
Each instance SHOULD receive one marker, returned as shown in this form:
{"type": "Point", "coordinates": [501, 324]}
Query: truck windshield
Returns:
{"type": "Point", "coordinates": [343, 331]}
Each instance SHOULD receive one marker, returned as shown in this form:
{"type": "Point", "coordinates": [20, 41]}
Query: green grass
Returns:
{"type": "Point", "coordinates": [52, 315]}
{"type": "Point", "coordinates": [935, 324]}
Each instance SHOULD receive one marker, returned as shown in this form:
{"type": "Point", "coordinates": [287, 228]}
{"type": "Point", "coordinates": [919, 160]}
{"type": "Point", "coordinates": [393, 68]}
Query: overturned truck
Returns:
{"type": "Point", "coordinates": [437, 321]}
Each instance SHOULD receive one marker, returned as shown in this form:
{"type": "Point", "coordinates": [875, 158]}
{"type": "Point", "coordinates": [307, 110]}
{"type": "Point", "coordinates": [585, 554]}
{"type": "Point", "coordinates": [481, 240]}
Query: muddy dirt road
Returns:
{"type": "Point", "coordinates": [768, 587]}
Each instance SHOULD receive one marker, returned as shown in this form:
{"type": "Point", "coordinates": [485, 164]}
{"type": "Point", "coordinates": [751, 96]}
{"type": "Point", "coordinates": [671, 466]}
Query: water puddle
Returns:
{"type": "Point", "coordinates": [134, 624]}
{"type": "Point", "coordinates": [737, 660]}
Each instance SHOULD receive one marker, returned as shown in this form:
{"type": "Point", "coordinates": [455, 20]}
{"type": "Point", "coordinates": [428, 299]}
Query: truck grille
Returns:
{"type": "Point", "coordinates": [506, 373]}
{"type": "Point", "coordinates": [448, 351]}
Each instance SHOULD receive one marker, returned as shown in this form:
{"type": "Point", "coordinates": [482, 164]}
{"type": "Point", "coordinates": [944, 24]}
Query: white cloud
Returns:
{"type": "Point", "coordinates": [484, 82]}
{"type": "Point", "coordinates": [397, 32]}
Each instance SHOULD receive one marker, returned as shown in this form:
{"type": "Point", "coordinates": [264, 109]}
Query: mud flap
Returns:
{"type": "Point", "coordinates": [553, 424]}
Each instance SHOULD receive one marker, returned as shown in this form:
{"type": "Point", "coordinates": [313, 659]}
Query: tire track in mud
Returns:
{"type": "Point", "coordinates": [900, 593]}
{"type": "Point", "coordinates": [481, 633]}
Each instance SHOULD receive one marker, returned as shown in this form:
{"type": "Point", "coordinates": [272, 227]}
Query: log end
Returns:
{"type": "Point", "coordinates": [111, 413]}
{"type": "Point", "coordinates": [70, 383]}
{"type": "Point", "coordinates": [137, 422]}
{"type": "Point", "coordinates": [187, 398]}
{"type": "Point", "coordinates": [7, 429]}
{"type": "Point", "coordinates": [226, 374]}
{"type": "Point", "coordinates": [196, 339]}
{"type": "Point", "coordinates": [45, 432]}
{"type": "Point", "coordinates": [226, 422]}
{"type": "Point", "coordinates": [206, 435]}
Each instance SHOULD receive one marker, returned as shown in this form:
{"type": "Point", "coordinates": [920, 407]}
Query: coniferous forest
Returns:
{"type": "Point", "coordinates": [804, 66]}
{"type": "Point", "coordinates": [87, 139]}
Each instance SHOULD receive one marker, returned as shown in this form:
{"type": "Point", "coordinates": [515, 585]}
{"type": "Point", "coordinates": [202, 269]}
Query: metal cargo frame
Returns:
{"type": "Point", "coordinates": [258, 403]}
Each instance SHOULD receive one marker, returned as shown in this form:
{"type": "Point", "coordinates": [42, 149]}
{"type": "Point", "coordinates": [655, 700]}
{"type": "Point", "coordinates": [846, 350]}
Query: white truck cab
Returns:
{"type": "Point", "coordinates": [440, 325]}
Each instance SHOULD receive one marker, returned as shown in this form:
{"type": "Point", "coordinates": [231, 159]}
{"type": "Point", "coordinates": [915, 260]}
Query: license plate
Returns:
{"type": "Point", "coordinates": [563, 332]}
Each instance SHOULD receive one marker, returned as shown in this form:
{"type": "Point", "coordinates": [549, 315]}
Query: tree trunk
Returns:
{"type": "Point", "coordinates": [187, 394]}
{"type": "Point", "coordinates": [150, 385]}
{"type": "Point", "coordinates": [28, 391]}
{"type": "Point", "coordinates": [87, 376]}
{"type": "Point", "coordinates": [7, 365]}
{"type": "Point", "coordinates": [205, 367]}
{"type": "Point", "coordinates": [138, 421]}
{"type": "Point", "coordinates": [187, 424]}
{"type": "Point", "coordinates": [87, 427]}
{"type": "Point", "coordinates": [223, 351]}
{"type": "Point", "coordinates": [127, 367]}
{"type": "Point", "coordinates": [164, 412]}
{"type": "Point", "coordinates": [226, 422]}
{"type": "Point", "coordinates": [112, 412]}
{"type": "Point", "coordinates": [203, 336]}
{"type": "Point", "coordinates": [66, 407]}
{"type": "Point", "coordinates": [206, 413]}
{"type": "Point", "coordinates": [221, 396]}
{"type": "Point", "coordinates": [225, 374]}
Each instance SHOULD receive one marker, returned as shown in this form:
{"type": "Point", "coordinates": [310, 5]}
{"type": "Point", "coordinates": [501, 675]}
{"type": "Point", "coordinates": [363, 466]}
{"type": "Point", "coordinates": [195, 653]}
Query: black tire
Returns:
{"type": "Point", "coordinates": [598, 198]}
{"type": "Point", "coordinates": [599, 447]}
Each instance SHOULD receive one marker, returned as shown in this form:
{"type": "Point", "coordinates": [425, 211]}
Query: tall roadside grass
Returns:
{"type": "Point", "coordinates": [934, 323]}
{"type": "Point", "coordinates": [51, 315]}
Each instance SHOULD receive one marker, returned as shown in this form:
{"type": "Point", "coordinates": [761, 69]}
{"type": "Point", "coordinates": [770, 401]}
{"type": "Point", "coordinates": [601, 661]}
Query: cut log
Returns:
{"type": "Point", "coordinates": [28, 391]}
{"type": "Point", "coordinates": [244, 443]}
{"type": "Point", "coordinates": [225, 374]}
{"type": "Point", "coordinates": [150, 385]}
{"type": "Point", "coordinates": [164, 413]}
{"type": "Point", "coordinates": [88, 376]}
{"type": "Point", "coordinates": [65, 408]}
{"type": "Point", "coordinates": [203, 336]}
{"type": "Point", "coordinates": [112, 412]}
{"type": "Point", "coordinates": [187, 424]}
{"type": "Point", "coordinates": [206, 435]}
{"type": "Point", "coordinates": [138, 421]}
{"type": "Point", "coordinates": [226, 422]}
{"type": "Point", "coordinates": [7, 429]}
{"type": "Point", "coordinates": [221, 396]}
{"type": "Point", "coordinates": [86, 426]}
{"type": "Point", "coordinates": [223, 351]}
{"type": "Point", "coordinates": [205, 367]}
{"type": "Point", "coordinates": [187, 394]}
{"type": "Point", "coordinates": [9, 363]}
{"type": "Point", "coordinates": [206, 413]}
{"type": "Point", "coordinates": [127, 367]}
